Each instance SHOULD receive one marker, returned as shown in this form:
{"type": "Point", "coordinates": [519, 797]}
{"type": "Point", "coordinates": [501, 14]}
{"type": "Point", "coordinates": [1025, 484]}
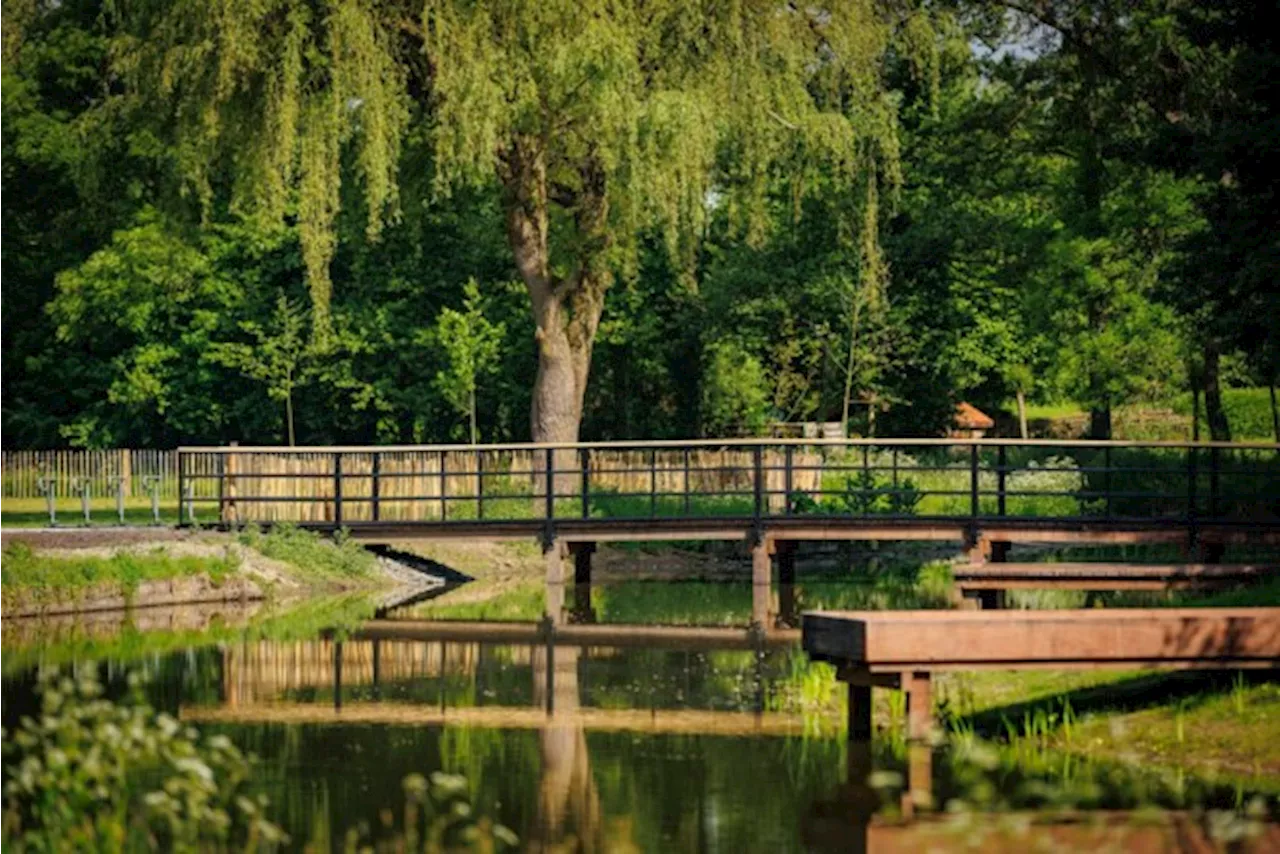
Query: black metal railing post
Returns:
{"type": "Point", "coordinates": [1002, 462]}
{"type": "Point", "coordinates": [444, 488]}
{"type": "Point", "coordinates": [1193, 475]}
{"type": "Point", "coordinates": [686, 481]}
{"type": "Point", "coordinates": [1106, 480]}
{"type": "Point", "coordinates": [973, 481]}
{"type": "Point", "coordinates": [584, 459]}
{"type": "Point", "coordinates": [758, 464]}
{"type": "Point", "coordinates": [376, 510]}
{"type": "Point", "coordinates": [653, 483]}
{"type": "Point", "coordinates": [1213, 482]}
{"type": "Point", "coordinates": [788, 480]}
{"type": "Point", "coordinates": [480, 484]}
{"type": "Point", "coordinates": [549, 521]}
{"type": "Point", "coordinates": [182, 488]}
{"type": "Point", "coordinates": [337, 490]}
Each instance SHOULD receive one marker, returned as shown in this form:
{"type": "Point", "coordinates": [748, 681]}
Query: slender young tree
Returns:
{"type": "Point", "coordinates": [471, 344]}
{"type": "Point", "coordinates": [594, 118]}
{"type": "Point", "coordinates": [277, 357]}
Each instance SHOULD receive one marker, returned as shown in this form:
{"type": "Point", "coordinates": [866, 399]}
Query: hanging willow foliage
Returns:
{"type": "Point", "coordinates": [668, 108]}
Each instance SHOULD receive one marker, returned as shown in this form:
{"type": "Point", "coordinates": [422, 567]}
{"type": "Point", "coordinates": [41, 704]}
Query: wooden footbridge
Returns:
{"type": "Point", "coordinates": [984, 495]}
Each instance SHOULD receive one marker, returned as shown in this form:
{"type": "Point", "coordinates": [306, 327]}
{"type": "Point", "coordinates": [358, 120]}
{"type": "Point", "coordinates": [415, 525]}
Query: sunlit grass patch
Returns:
{"type": "Point", "coordinates": [32, 576]}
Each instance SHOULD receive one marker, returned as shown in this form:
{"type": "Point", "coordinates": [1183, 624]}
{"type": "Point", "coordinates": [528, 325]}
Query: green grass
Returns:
{"type": "Point", "coordinates": [1050, 411]}
{"type": "Point", "coordinates": [1230, 732]}
{"type": "Point", "coordinates": [29, 576]}
{"type": "Point", "coordinates": [34, 512]}
{"type": "Point", "coordinates": [1248, 412]}
{"type": "Point", "coordinates": [315, 557]}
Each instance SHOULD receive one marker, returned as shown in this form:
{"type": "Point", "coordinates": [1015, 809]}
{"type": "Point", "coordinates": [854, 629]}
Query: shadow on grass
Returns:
{"type": "Point", "coordinates": [1191, 688]}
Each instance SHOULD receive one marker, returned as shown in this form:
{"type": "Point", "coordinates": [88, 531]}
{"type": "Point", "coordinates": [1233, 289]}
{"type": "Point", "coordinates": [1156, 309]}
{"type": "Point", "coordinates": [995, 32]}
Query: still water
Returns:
{"type": "Point", "coordinates": [666, 740]}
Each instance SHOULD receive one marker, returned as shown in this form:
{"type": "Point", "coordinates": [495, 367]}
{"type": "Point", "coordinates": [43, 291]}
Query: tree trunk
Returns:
{"type": "Point", "coordinates": [1022, 413]}
{"type": "Point", "coordinates": [288, 416]}
{"type": "Point", "coordinates": [566, 310]}
{"type": "Point", "coordinates": [849, 365]}
{"type": "Point", "coordinates": [1100, 421]}
{"type": "Point", "coordinates": [475, 437]}
{"type": "Point", "coordinates": [1219, 428]}
{"type": "Point", "coordinates": [559, 388]}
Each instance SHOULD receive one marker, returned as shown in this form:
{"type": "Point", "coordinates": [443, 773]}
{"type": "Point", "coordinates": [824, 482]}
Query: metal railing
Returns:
{"type": "Point", "coordinates": [757, 480]}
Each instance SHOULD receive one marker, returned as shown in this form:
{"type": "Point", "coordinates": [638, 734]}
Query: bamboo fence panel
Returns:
{"type": "Point", "coordinates": [301, 486]}
{"type": "Point", "coordinates": [410, 484]}
{"type": "Point", "coordinates": [105, 470]}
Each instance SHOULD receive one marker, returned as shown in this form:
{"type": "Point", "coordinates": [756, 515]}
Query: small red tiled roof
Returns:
{"type": "Point", "coordinates": [969, 417]}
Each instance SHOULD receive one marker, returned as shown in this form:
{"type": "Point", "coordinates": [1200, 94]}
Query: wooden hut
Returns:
{"type": "Point", "coordinates": [969, 422]}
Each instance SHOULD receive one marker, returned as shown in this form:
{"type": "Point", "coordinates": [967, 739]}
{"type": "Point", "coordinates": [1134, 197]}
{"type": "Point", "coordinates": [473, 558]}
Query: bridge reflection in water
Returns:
{"type": "Point", "coordinates": [350, 680]}
{"type": "Point", "coordinates": [396, 673]}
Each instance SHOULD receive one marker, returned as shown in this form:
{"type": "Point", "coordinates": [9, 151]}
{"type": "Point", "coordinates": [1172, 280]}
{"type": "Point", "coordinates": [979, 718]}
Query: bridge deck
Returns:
{"type": "Point", "coordinates": [949, 529]}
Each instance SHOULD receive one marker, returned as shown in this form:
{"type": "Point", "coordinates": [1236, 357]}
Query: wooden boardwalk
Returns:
{"type": "Point", "coordinates": [901, 649]}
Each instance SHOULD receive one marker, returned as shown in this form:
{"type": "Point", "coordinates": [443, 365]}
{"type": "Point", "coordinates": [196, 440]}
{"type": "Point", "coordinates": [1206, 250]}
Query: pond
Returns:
{"type": "Point", "coordinates": [700, 740]}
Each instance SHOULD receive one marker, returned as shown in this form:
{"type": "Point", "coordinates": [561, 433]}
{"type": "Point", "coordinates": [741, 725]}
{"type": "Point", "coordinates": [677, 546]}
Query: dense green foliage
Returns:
{"type": "Point", "coordinates": [258, 222]}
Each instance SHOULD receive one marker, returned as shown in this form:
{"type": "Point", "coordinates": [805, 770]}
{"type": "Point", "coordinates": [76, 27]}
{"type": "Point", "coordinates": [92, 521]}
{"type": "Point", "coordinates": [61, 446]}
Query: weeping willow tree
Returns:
{"type": "Point", "coordinates": [596, 118]}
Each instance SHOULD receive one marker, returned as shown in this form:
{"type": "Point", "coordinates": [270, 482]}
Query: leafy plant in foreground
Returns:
{"type": "Point", "coordinates": [87, 774]}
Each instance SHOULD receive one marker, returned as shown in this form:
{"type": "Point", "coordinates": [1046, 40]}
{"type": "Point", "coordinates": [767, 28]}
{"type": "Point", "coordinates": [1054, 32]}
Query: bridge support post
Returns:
{"type": "Point", "coordinates": [762, 607]}
{"type": "Point", "coordinates": [917, 685]}
{"type": "Point", "coordinates": [919, 794]}
{"type": "Point", "coordinates": [582, 612]}
{"type": "Point", "coordinates": [859, 712]}
{"type": "Point", "coordinates": [994, 600]}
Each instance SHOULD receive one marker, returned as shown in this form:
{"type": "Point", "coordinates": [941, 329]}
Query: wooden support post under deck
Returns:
{"type": "Point", "coordinates": [919, 793]}
{"type": "Point", "coordinates": [859, 712]}
{"type": "Point", "coordinates": [762, 610]}
{"type": "Point", "coordinates": [994, 600]}
{"type": "Point", "coordinates": [917, 686]}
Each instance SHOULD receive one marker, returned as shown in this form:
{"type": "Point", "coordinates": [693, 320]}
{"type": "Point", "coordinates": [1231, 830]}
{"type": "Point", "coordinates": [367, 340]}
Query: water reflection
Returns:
{"type": "Point", "coordinates": [594, 736]}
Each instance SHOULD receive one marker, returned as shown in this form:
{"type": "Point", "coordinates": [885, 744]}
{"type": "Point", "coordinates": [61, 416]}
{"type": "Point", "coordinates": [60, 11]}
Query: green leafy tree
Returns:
{"type": "Point", "coordinates": [471, 345]}
{"type": "Point", "coordinates": [278, 356]}
{"type": "Point", "coordinates": [595, 120]}
{"type": "Point", "coordinates": [735, 392]}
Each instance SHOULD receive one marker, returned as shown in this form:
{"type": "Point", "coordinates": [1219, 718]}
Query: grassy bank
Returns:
{"type": "Point", "coordinates": [285, 561]}
{"type": "Point", "coordinates": [29, 576]}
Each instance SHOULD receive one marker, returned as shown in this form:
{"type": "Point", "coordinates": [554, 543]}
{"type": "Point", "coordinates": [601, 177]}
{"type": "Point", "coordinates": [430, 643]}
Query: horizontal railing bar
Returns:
{"type": "Point", "coordinates": [725, 443]}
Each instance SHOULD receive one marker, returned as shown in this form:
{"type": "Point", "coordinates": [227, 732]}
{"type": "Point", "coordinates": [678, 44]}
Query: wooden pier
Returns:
{"type": "Point", "coordinates": [902, 649]}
